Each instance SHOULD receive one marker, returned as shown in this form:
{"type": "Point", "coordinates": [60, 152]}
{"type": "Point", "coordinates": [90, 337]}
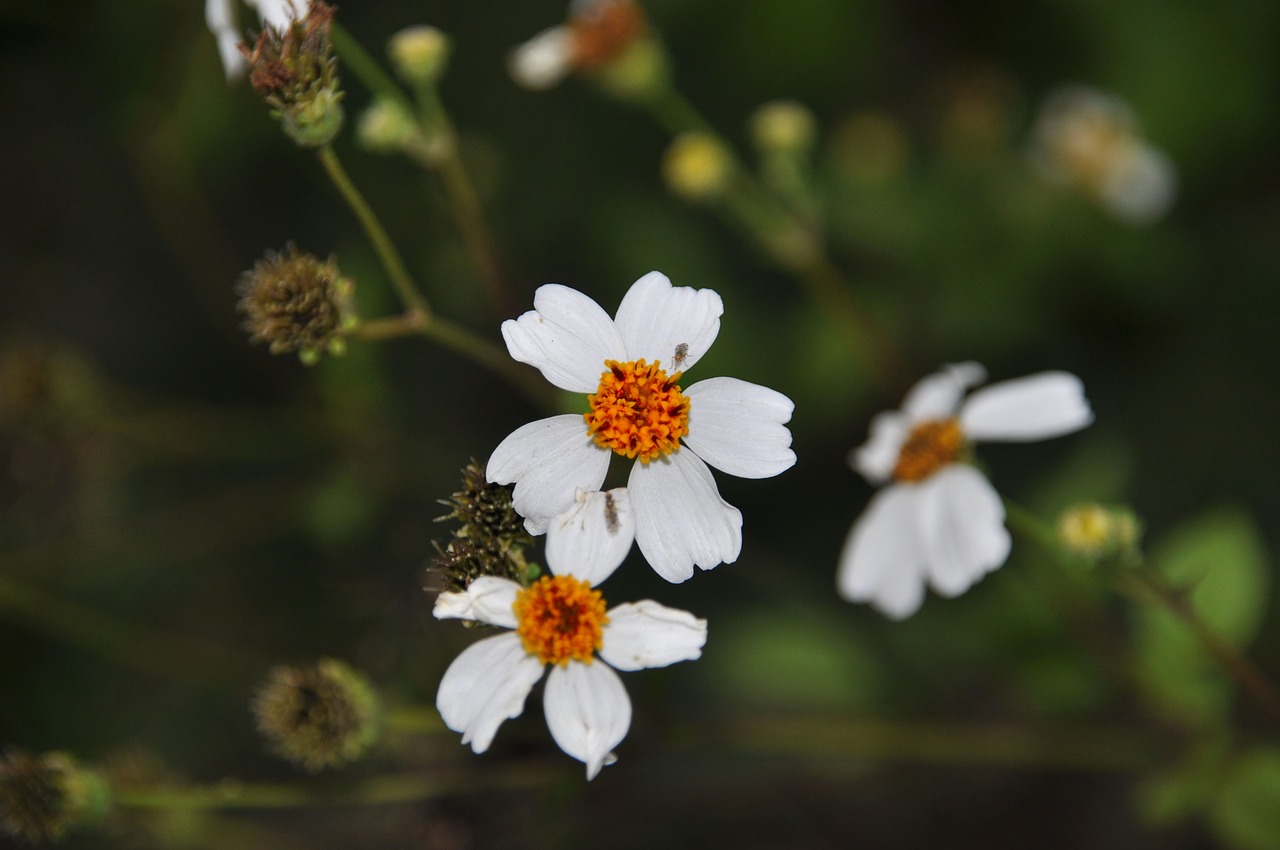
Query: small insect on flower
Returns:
{"type": "Point", "coordinates": [681, 352]}
{"type": "Point", "coordinates": [610, 514]}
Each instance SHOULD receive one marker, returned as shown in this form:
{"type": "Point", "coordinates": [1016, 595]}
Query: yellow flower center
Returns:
{"type": "Point", "coordinates": [638, 411]}
{"type": "Point", "coordinates": [930, 446]}
{"type": "Point", "coordinates": [560, 618]}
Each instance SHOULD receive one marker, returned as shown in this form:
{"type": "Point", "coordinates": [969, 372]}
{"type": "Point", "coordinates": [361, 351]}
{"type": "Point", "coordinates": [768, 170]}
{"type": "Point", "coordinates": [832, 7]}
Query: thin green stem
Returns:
{"type": "Point", "coordinates": [365, 68]}
{"type": "Point", "coordinates": [1142, 582]}
{"type": "Point", "coordinates": [382, 244]}
{"type": "Point", "coordinates": [1146, 584]}
{"type": "Point", "coordinates": [377, 790]}
{"type": "Point", "coordinates": [1100, 749]}
{"type": "Point", "coordinates": [123, 642]}
{"type": "Point", "coordinates": [413, 720]}
{"type": "Point", "coordinates": [461, 341]}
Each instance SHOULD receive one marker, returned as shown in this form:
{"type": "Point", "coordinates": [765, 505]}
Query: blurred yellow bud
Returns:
{"type": "Point", "coordinates": [697, 166]}
{"type": "Point", "coordinates": [783, 126]}
{"type": "Point", "coordinates": [419, 54]}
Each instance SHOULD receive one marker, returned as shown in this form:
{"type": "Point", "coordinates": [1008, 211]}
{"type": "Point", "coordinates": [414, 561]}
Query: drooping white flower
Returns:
{"type": "Point", "coordinates": [223, 20]}
{"type": "Point", "coordinates": [595, 35]}
{"type": "Point", "coordinates": [938, 521]}
{"type": "Point", "coordinates": [631, 368]}
{"type": "Point", "coordinates": [562, 621]}
{"type": "Point", "coordinates": [1090, 140]}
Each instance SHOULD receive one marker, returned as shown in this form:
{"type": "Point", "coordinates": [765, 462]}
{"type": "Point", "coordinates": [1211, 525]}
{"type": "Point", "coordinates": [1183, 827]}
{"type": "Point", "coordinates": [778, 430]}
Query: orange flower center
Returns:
{"type": "Point", "coordinates": [603, 31]}
{"type": "Point", "coordinates": [930, 446]}
{"type": "Point", "coordinates": [638, 411]}
{"type": "Point", "coordinates": [560, 618]}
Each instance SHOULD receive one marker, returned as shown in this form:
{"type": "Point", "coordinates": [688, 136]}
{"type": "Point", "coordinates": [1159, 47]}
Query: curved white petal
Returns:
{"type": "Point", "coordinates": [961, 526]}
{"type": "Point", "coordinates": [543, 60]}
{"type": "Point", "coordinates": [938, 395]}
{"type": "Point", "coordinates": [588, 712]}
{"type": "Point", "coordinates": [645, 634]}
{"type": "Point", "coordinates": [484, 686]}
{"type": "Point", "coordinates": [656, 319]}
{"type": "Point", "coordinates": [881, 561]}
{"type": "Point", "coordinates": [681, 521]}
{"type": "Point", "coordinates": [548, 461]}
{"type": "Point", "coordinates": [488, 599]}
{"type": "Point", "coordinates": [566, 336]}
{"type": "Point", "coordinates": [221, 18]}
{"type": "Point", "coordinates": [593, 537]}
{"type": "Point", "coordinates": [876, 458]}
{"type": "Point", "coordinates": [1032, 408]}
{"type": "Point", "coordinates": [737, 427]}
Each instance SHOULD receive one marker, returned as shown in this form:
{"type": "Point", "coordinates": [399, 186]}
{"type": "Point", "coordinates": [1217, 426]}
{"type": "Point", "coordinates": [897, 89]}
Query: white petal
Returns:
{"type": "Point", "coordinates": [961, 527]}
{"type": "Point", "coordinates": [280, 13]}
{"type": "Point", "coordinates": [1141, 185]}
{"type": "Point", "coordinates": [488, 599]}
{"type": "Point", "coordinates": [543, 60]}
{"type": "Point", "coordinates": [224, 23]}
{"type": "Point", "coordinates": [592, 538]}
{"type": "Point", "coordinates": [681, 521]}
{"type": "Point", "coordinates": [738, 427]}
{"type": "Point", "coordinates": [566, 336]}
{"type": "Point", "coordinates": [548, 461]}
{"type": "Point", "coordinates": [877, 457]}
{"type": "Point", "coordinates": [484, 686]}
{"type": "Point", "coordinates": [588, 712]}
{"type": "Point", "coordinates": [646, 634]}
{"type": "Point", "coordinates": [938, 396]}
{"type": "Point", "coordinates": [1033, 408]}
{"type": "Point", "coordinates": [881, 562]}
{"type": "Point", "coordinates": [656, 319]}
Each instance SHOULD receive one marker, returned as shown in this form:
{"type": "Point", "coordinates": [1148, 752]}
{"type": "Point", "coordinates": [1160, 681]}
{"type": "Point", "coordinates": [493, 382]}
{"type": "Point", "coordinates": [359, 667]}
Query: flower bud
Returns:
{"type": "Point", "coordinates": [295, 302]}
{"type": "Point", "coordinates": [783, 126]}
{"type": "Point", "coordinates": [419, 54]}
{"type": "Point", "coordinates": [1095, 532]}
{"type": "Point", "coordinates": [697, 166]}
{"type": "Point", "coordinates": [41, 798]}
{"type": "Point", "coordinates": [319, 716]}
{"type": "Point", "coordinates": [386, 127]}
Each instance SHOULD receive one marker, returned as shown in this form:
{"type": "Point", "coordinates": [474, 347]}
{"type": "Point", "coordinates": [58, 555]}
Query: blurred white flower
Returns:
{"type": "Point", "coordinates": [562, 621]}
{"type": "Point", "coordinates": [223, 19]}
{"type": "Point", "coordinates": [596, 33]}
{"type": "Point", "coordinates": [631, 367]}
{"type": "Point", "coordinates": [1090, 140]}
{"type": "Point", "coordinates": [938, 520]}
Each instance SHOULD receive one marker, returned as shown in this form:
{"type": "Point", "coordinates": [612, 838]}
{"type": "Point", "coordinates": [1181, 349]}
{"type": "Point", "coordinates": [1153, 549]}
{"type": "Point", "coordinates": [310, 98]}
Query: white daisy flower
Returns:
{"type": "Point", "coordinates": [1091, 140]}
{"type": "Point", "coordinates": [940, 521]}
{"type": "Point", "coordinates": [631, 368]}
{"type": "Point", "coordinates": [223, 20]}
{"type": "Point", "coordinates": [562, 621]}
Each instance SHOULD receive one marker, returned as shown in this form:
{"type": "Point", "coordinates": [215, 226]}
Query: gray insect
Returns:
{"type": "Point", "coordinates": [682, 351]}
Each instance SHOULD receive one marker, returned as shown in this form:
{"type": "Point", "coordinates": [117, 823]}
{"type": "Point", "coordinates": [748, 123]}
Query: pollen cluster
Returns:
{"type": "Point", "coordinates": [560, 618]}
{"type": "Point", "coordinates": [930, 446]}
{"type": "Point", "coordinates": [638, 411]}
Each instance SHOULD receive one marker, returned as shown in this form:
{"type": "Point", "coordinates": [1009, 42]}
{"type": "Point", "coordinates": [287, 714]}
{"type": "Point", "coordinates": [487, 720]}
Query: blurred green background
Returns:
{"type": "Point", "coordinates": [157, 470]}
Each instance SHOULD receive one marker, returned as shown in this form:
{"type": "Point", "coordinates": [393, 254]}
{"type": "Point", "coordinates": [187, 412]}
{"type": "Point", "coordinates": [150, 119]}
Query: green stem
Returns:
{"type": "Point", "coordinates": [123, 642]}
{"type": "Point", "coordinates": [386, 250]}
{"type": "Point", "coordinates": [356, 59]}
{"type": "Point", "coordinates": [1145, 584]}
{"type": "Point", "coordinates": [1142, 582]}
{"type": "Point", "coordinates": [1103, 749]}
{"type": "Point", "coordinates": [461, 341]}
{"type": "Point", "coordinates": [413, 720]}
{"type": "Point", "coordinates": [377, 790]}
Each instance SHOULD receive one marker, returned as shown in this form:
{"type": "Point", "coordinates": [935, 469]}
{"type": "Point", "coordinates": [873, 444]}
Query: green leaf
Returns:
{"type": "Point", "coordinates": [1246, 815]}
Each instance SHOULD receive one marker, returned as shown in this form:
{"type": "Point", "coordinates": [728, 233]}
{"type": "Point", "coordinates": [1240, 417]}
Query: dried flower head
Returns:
{"type": "Point", "coordinates": [322, 715]}
{"type": "Point", "coordinates": [490, 540]}
{"type": "Point", "coordinates": [293, 68]}
{"type": "Point", "coordinates": [42, 797]}
{"type": "Point", "coordinates": [295, 302]}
